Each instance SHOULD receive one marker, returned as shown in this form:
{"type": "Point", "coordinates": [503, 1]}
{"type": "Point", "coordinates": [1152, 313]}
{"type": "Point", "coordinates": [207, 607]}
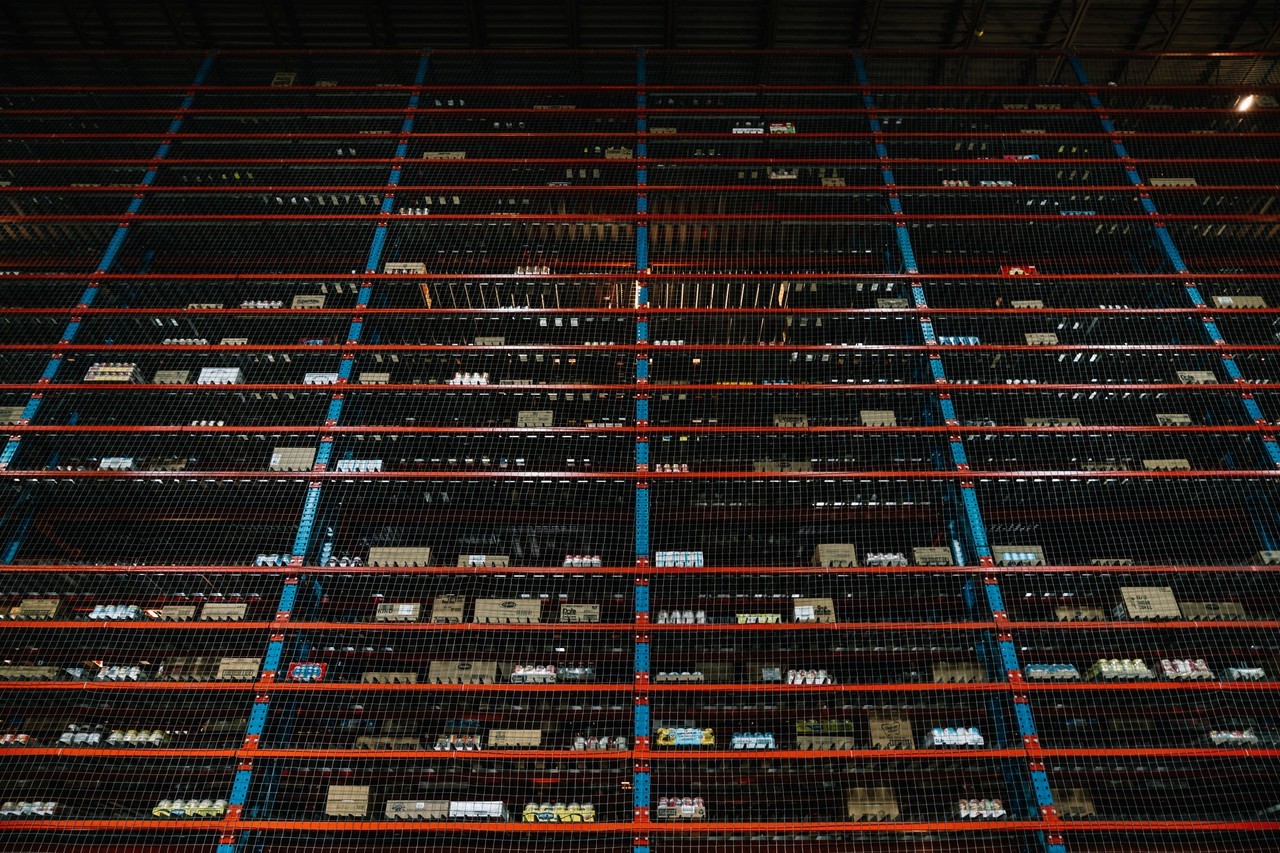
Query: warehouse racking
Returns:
{"type": "Point", "coordinates": [765, 449]}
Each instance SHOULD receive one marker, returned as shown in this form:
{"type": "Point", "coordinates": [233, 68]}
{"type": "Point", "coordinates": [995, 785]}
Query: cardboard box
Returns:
{"type": "Point", "coordinates": [177, 613]}
{"type": "Point", "coordinates": [10, 415]}
{"type": "Point", "coordinates": [579, 612]}
{"type": "Point", "coordinates": [1166, 464]}
{"type": "Point", "coordinates": [388, 678]}
{"type": "Point", "coordinates": [872, 804]}
{"type": "Point", "coordinates": [223, 612]}
{"type": "Point", "coordinates": [1147, 602]}
{"type": "Point", "coordinates": [1212, 611]}
{"type": "Point", "coordinates": [957, 673]}
{"type": "Point", "coordinates": [619, 153]}
{"type": "Point", "coordinates": [387, 742]}
{"type": "Point", "coordinates": [1080, 614]}
{"type": "Point", "coordinates": [398, 612]}
{"type": "Point", "coordinates": [487, 560]}
{"type": "Point", "coordinates": [835, 555]}
{"type": "Point", "coordinates": [833, 182]}
{"type": "Point", "coordinates": [188, 669]}
{"type": "Point", "coordinates": [824, 742]}
{"type": "Point", "coordinates": [171, 377]}
{"type": "Point", "coordinates": [1172, 182]}
{"type": "Point", "coordinates": [417, 809]}
{"type": "Point", "coordinates": [29, 673]}
{"type": "Point", "coordinates": [515, 738]}
{"type": "Point", "coordinates": [1266, 558]}
{"type": "Point", "coordinates": [308, 300]}
{"type": "Point", "coordinates": [1050, 422]}
{"type": "Point", "coordinates": [508, 610]}
{"type": "Point", "coordinates": [373, 378]}
{"type": "Point", "coordinates": [782, 467]}
{"type": "Point", "coordinates": [1040, 339]}
{"type": "Point", "coordinates": [444, 155]}
{"type": "Point", "coordinates": [197, 306]}
{"type": "Point", "coordinates": [793, 421]}
{"type": "Point", "coordinates": [813, 610]}
{"type": "Point", "coordinates": [238, 669]}
{"type": "Point", "coordinates": [891, 733]}
{"type": "Point", "coordinates": [347, 801]}
{"type": "Point", "coordinates": [878, 417]}
{"type": "Point", "coordinates": [892, 302]}
{"type": "Point", "coordinates": [1197, 377]}
{"type": "Point", "coordinates": [1026, 303]}
{"type": "Point", "coordinates": [36, 608]}
{"type": "Point", "coordinates": [538, 418]}
{"type": "Point", "coordinates": [463, 672]}
{"type": "Point", "coordinates": [233, 342]}
{"type": "Point", "coordinates": [932, 556]}
{"type": "Point", "coordinates": [292, 459]}
{"type": "Point", "coordinates": [448, 609]}
{"type": "Point", "coordinates": [1111, 561]}
{"type": "Point", "coordinates": [404, 268]}
{"type": "Point", "coordinates": [1239, 302]}
{"type": "Point", "coordinates": [395, 556]}
{"type": "Point", "coordinates": [284, 79]}
{"type": "Point", "coordinates": [493, 341]}
{"type": "Point", "coordinates": [1173, 419]}
{"type": "Point", "coordinates": [1073, 803]}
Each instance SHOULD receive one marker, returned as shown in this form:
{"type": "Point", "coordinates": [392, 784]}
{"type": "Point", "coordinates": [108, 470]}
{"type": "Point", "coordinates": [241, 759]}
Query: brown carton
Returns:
{"type": "Point", "coordinates": [789, 420]}
{"type": "Point", "coordinates": [462, 672]}
{"type": "Point", "coordinates": [177, 613]}
{"type": "Point", "coordinates": [398, 612]}
{"type": "Point", "coordinates": [1073, 803]}
{"type": "Point", "coordinates": [188, 669]}
{"type": "Point", "coordinates": [1212, 611]}
{"type": "Point", "coordinates": [1026, 303]}
{"type": "Point", "coordinates": [444, 155]}
{"type": "Point", "coordinates": [535, 418]}
{"type": "Point", "coordinates": [213, 612]}
{"type": "Point", "coordinates": [1173, 419]}
{"type": "Point", "coordinates": [308, 300]}
{"type": "Point", "coordinates": [579, 612]}
{"type": "Point", "coordinates": [171, 377]}
{"type": "Point", "coordinates": [1018, 555]}
{"type": "Point", "coordinates": [872, 804]}
{"type": "Point", "coordinates": [783, 467]}
{"type": "Point", "coordinates": [292, 458]}
{"type": "Point", "coordinates": [932, 556]}
{"type": "Point", "coordinates": [448, 609]}
{"type": "Point", "coordinates": [1080, 614]}
{"type": "Point", "coordinates": [515, 737]}
{"type": "Point", "coordinates": [384, 742]}
{"type": "Point", "coordinates": [878, 418]}
{"type": "Point", "coordinates": [1148, 602]}
{"type": "Point", "coordinates": [1197, 377]}
{"type": "Point", "coordinates": [1166, 464]}
{"type": "Point", "coordinates": [29, 673]}
{"type": "Point", "coordinates": [238, 669]}
{"type": "Point", "coordinates": [1239, 302]}
{"type": "Point", "coordinates": [892, 302]}
{"type": "Point", "coordinates": [393, 557]}
{"type": "Point", "coordinates": [405, 268]}
{"type": "Point", "coordinates": [388, 678]}
{"type": "Point", "coordinates": [620, 153]}
{"type": "Point", "coordinates": [373, 378]}
{"type": "Point", "coordinates": [491, 341]}
{"type": "Point", "coordinates": [833, 182]}
{"type": "Point", "coordinates": [508, 610]}
{"type": "Point", "coordinates": [36, 608]}
{"type": "Point", "coordinates": [1039, 339]}
{"type": "Point", "coordinates": [813, 610]}
{"type": "Point", "coordinates": [891, 733]}
{"type": "Point", "coordinates": [347, 801]}
{"type": "Point", "coordinates": [835, 555]}
{"type": "Point", "coordinates": [957, 673]}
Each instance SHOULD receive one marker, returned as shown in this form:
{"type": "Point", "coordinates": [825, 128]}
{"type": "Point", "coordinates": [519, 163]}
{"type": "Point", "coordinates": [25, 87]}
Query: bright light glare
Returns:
{"type": "Point", "coordinates": [1244, 103]}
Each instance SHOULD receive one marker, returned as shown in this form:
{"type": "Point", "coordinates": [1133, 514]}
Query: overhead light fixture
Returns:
{"type": "Point", "coordinates": [1245, 103]}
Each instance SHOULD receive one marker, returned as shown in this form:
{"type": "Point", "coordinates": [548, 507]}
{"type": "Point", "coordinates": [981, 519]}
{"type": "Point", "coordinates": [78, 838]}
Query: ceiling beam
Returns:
{"type": "Point", "coordinates": [108, 25]}
{"type": "Point", "coordinates": [873, 24]}
{"type": "Point", "coordinates": [197, 18]}
{"type": "Point", "coordinates": [271, 24]}
{"type": "Point", "coordinates": [1169, 36]}
{"type": "Point", "coordinates": [669, 38]}
{"type": "Point", "coordinates": [291, 19]}
{"type": "Point", "coordinates": [1069, 38]}
{"type": "Point", "coordinates": [769, 23]}
{"type": "Point", "coordinates": [174, 27]}
{"type": "Point", "coordinates": [975, 26]}
{"type": "Point", "coordinates": [1228, 39]}
{"type": "Point", "coordinates": [476, 35]}
{"type": "Point", "coordinates": [371, 24]}
{"type": "Point", "coordinates": [16, 27]}
{"type": "Point", "coordinates": [571, 14]}
{"type": "Point", "coordinates": [1273, 36]}
{"type": "Point", "coordinates": [75, 24]}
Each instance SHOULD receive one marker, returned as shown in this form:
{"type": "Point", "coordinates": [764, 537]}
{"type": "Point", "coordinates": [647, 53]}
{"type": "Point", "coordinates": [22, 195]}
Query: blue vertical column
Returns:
{"type": "Point", "coordinates": [1174, 257]}
{"type": "Point", "coordinates": [1001, 651]}
{"type": "Point", "coordinates": [311, 503]}
{"type": "Point", "coordinates": [640, 779]}
{"type": "Point", "coordinates": [108, 259]}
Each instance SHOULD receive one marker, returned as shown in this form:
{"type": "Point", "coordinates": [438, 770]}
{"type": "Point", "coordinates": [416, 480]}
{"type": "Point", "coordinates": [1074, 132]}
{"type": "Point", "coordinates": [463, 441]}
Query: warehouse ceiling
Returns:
{"type": "Point", "coordinates": [1163, 25]}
